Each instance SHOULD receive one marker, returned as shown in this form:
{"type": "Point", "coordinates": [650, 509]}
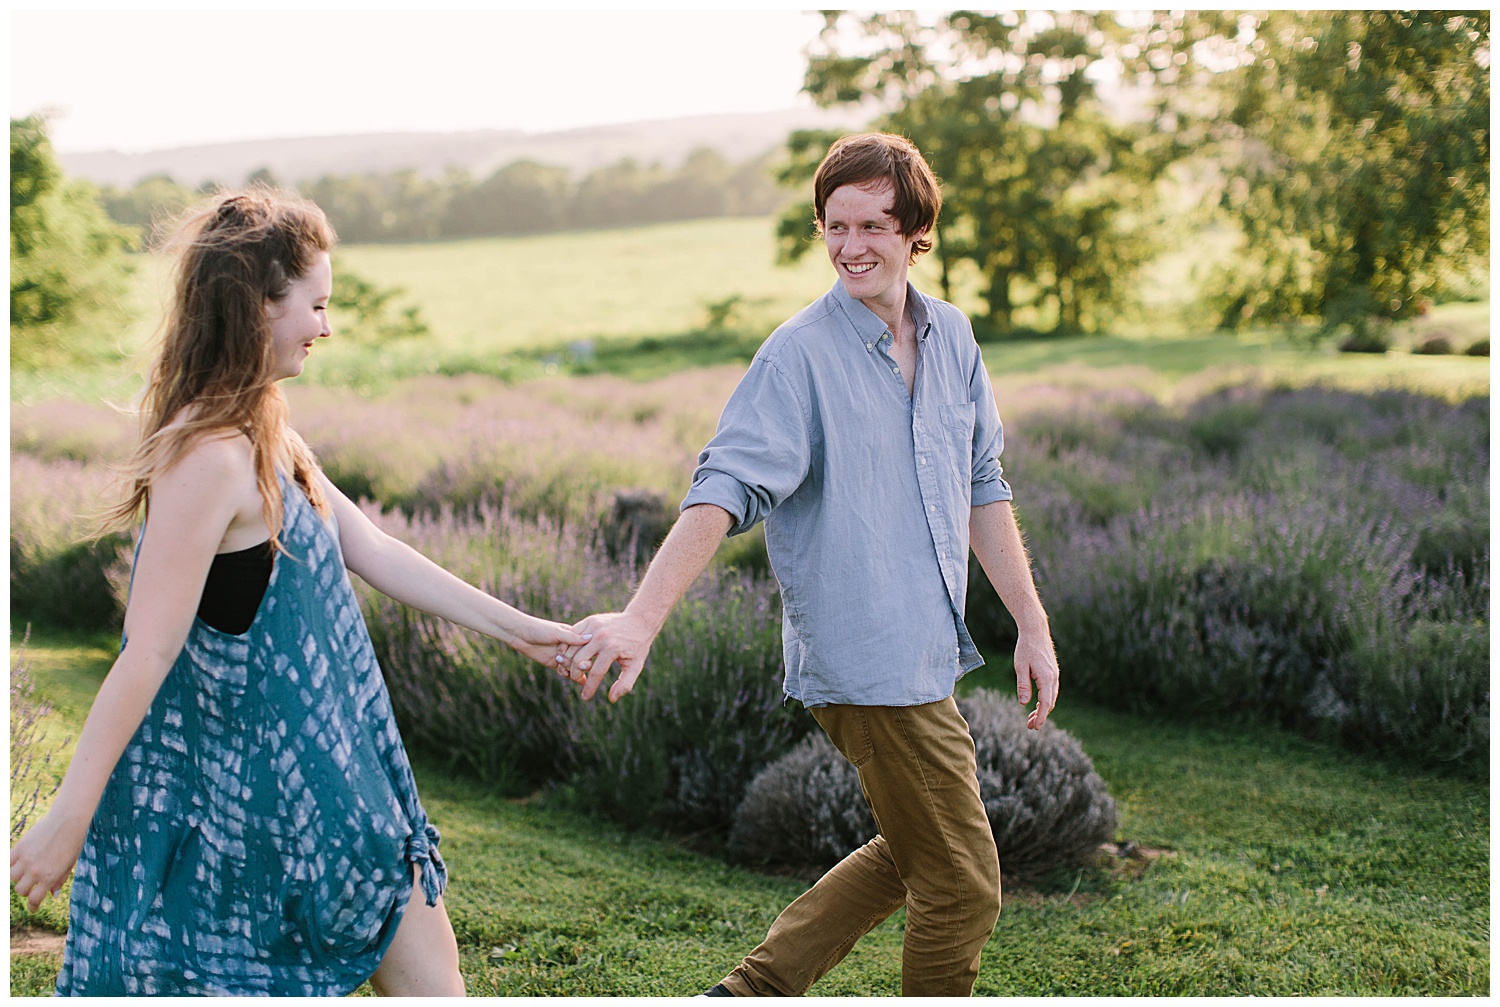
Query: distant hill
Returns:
{"type": "Point", "coordinates": [666, 141]}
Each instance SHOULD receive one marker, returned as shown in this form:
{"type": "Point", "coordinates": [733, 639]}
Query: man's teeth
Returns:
{"type": "Point", "coordinates": [863, 267]}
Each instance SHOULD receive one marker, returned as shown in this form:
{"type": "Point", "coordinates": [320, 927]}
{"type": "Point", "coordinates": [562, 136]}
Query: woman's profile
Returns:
{"type": "Point", "coordinates": [240, 807]}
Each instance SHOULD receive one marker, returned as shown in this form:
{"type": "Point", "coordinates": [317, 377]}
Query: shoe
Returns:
{"type": "Point", "coordinates": [719, 990]}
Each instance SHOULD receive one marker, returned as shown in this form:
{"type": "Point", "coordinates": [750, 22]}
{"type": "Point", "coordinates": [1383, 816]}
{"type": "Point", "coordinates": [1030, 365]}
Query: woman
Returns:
{"type": "Point", "coordinates": [240, 808]}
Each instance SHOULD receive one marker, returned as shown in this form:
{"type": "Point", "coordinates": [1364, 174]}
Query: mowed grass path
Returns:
{"type": "Point", "coordinates": [1289, 868]}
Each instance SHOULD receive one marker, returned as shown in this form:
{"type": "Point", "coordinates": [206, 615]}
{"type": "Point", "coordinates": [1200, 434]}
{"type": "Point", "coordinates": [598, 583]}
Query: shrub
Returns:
{"type": "Point", "coordinates": [1217, 606]}
{"type": "Point", "coordinates": [1304, 527]}
{"type": "Point", "coordinates": [705, 717]}
{"type": "Point", "coordinates": [465, 698]}
{"type": "Point", "coordinates": [58, 578]}
{"type": "Point", "coordinates": [1434, 346]}
{"type": "Point", "coordinates": [637, 521]}
{"type": "Point", "coordinates": [805, 809]}
{"type": "Point", "coordinates": [1478, 348]}
{"type": "Point", "coordinates": [1366, 340]}
{"type": "Point", "coordinates": [1047, 806]}
{"type": "Point", "coordinates": [31, 782]}
{"type": "Point", "coordinates": [1422, 686]}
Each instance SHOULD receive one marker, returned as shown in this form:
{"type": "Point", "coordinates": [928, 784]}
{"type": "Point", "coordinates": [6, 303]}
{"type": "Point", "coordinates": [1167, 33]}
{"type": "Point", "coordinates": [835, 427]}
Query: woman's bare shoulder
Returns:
{"type": "Point", "coordinates": [222, 455]}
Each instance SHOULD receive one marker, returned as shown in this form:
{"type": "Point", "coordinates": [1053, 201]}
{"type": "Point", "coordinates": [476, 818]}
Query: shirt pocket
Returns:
{"type": "Point", "coordinates": [957, 422]}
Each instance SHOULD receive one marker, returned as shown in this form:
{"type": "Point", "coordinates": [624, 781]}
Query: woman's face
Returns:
{"type": "Point", "coordinates": [300, 318]}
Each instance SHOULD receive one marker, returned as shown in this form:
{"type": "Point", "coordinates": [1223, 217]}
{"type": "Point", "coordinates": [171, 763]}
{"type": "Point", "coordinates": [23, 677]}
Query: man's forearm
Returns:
{"type": "Point", "coordinates": [687, 550]}
{"type": "Point", "coordinates": [996, 540]}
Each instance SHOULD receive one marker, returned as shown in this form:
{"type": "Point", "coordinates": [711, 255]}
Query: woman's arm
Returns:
{"type": "Point", "coordinates": [394, 568]}
{"type": "Point", "coordinates": [192, 505]}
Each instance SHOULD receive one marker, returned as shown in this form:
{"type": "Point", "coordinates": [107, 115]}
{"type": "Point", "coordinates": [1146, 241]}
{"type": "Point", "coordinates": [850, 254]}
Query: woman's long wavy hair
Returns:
{"type": "Point", "coordinates": [214, 372]}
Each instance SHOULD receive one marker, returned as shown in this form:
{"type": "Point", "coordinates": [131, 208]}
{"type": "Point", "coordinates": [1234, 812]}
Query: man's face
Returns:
{"type": "Point", "coordinates": [864, 241]}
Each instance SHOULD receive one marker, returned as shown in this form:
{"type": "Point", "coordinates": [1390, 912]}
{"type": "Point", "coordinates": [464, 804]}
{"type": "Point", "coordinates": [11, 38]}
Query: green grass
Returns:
{"type": "Point", "coordinates": [640, 299]}
{"type": "Point", "coordinates": [1291, 869]}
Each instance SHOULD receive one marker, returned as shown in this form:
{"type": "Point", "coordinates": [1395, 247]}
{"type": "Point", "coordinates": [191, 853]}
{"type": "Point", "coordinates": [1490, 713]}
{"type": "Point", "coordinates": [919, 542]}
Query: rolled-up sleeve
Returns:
{"type": "Point", "coordinates": [761, 451]}
{"type": "Point", "coordinates": [987, 484]}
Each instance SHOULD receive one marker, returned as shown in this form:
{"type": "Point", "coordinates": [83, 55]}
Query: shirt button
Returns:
{"type": "Point", "coordinates": [932, 508]}
{"type": "Point", "coordinates": [869, 346]}
{"type": "Point", "coordinates": [958, 650]}
{"type": "Point", "coordinates": [895, 370]}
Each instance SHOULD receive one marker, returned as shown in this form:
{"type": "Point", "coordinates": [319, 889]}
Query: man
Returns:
{"type": "Point", "coordinates": [865, 435]}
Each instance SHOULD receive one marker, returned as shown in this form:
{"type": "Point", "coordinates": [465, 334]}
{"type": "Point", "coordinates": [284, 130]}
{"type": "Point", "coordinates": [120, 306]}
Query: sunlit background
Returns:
{"type": "Point", "coordinates": [1229, 271]}
{"type": "Point", "coordinates": [144, 81]}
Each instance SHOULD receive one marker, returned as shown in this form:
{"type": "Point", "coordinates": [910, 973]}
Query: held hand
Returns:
{"type": "Point", "coordinates": [1035, 659]}
{"type": "Point", "coordinates": [616, 637]}
{"type": "Point", "coordinates": [43, 858]}
{"type": "Point", "coordinates": [543, 640]}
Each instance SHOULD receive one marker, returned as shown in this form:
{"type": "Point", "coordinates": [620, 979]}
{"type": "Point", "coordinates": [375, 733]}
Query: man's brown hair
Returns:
{"type": "Point", "coordinates": [866, 159]}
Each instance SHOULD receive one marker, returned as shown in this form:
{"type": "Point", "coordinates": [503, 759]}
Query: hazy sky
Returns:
{"type": "Point", "coordinates": [145, 81]}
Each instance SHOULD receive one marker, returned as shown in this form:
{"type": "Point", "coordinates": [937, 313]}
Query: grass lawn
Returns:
{"type": "Point", "coordinates": [1286, 868]}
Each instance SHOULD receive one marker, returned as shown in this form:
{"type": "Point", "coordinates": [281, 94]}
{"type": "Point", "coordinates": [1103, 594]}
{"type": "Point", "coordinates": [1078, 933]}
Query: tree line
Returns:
{"type": "Point", "coordinates": [524, 197]}
{"type": "Point", "coordinates": [1344, 153]}
{"type": "Point", "coordinates": [1348, 151]}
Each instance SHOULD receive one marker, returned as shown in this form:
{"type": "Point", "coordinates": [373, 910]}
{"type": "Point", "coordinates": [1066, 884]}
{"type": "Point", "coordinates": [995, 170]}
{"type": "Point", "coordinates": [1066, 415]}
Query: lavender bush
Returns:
{"type": "Point", "coordinates": [32, 782]}
{"type": "Point", "coordinates": [58, 576]}
{"type": "Point", "coordinates": [705, 717]}
{"type": "Point", "coordinates": [1304, 546]}
{"type": "Point", "coordinates": [1316, 557]}
{"type": "Point", "coordinates": [1047, 806]}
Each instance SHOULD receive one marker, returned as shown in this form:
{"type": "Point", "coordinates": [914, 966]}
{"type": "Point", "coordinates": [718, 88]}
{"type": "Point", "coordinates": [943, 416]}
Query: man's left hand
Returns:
{"type": "Point", "coordinates": [1036, 660]}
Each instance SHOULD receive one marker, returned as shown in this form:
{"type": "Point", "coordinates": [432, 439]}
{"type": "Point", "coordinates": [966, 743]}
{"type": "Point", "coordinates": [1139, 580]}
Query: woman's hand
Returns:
{"type": "Point", "coordinates": [545, 641]}
{"type": "Point", "coordinates": [44, 857]}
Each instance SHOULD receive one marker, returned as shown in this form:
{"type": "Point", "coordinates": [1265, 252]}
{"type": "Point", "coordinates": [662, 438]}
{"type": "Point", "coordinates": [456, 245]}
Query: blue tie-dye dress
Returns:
{"type": "Point", "coordinates": [258, 836]}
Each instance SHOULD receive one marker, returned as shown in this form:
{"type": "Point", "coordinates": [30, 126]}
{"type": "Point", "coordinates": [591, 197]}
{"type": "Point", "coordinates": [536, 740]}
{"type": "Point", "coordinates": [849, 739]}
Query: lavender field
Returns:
{"type": "Point", "coordinates": [1310, 557]}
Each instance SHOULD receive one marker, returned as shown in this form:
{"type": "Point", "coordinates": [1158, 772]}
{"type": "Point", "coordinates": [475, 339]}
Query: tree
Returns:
{"type": "Point", "coordinates": [523, 197]}
{"type": "Point", "coordinates": [149, 203]}
{"type": "Point", "coordinates": [68, 262]}
{"type": "Point", "coordinates": [367, 312]}
{"type": "Point", "coordinates": [1046, 191]}
{"type": "Point", "coordinates": [1357, 144]}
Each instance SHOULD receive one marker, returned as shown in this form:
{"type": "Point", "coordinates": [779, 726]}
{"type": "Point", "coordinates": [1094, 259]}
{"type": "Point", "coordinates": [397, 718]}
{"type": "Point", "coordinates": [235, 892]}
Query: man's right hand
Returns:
{"type": "Point", "coordinates": [625, 638]}
{"type": "Point", "coordinates": [618, 638]}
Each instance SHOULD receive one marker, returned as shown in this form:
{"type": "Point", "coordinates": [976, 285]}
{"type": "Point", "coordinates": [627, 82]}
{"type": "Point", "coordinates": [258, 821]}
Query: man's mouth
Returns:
{"type": "Point", "coordinates": [857, 268]}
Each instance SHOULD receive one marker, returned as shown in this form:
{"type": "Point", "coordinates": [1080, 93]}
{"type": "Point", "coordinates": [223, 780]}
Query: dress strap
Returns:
{"type": "Point", "coordinates": [422, 848]}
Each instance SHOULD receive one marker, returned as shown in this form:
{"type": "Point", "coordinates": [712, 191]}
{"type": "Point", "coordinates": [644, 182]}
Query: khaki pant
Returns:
{"type": "Point", "coordinates": [935, 854]}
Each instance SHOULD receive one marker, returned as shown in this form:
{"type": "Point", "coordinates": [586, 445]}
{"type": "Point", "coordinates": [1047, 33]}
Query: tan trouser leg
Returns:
{"type": "Point", "coordinates": [935, 853]}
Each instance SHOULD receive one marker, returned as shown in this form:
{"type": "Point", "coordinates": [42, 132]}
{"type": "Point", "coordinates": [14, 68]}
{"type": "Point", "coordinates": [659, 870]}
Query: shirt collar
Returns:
{"type": "Point", "coordinates": [867, 324]}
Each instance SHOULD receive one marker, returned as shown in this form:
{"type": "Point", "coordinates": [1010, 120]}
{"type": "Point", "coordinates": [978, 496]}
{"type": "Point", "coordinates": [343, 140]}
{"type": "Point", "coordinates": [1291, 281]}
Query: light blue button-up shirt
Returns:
{"type": "Point", "coordinates": [865, 492]}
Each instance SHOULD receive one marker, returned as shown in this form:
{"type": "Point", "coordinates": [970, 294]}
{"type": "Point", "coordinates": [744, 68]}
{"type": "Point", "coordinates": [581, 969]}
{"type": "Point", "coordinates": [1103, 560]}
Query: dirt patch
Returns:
{"type": "Point", "coordinates": [35, 941]}
{"type": "Point", "coordinates": [1130, 859]}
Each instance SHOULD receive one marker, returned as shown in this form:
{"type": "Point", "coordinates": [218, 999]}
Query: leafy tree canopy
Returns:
{"type": "Point", "coordinates": [67, 258]}
{"type": "Point", "coordinates": [1358, 146]}
{"type": "Point", "coordinates": [1351, 148]}
{"type": "Point", "coordinates": [1049, 193]}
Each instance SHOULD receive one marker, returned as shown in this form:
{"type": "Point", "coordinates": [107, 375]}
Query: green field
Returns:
{"type": "Point", "coordinates": [1275, 867]}
{"type": "Point", "coordinates": [640, 299]}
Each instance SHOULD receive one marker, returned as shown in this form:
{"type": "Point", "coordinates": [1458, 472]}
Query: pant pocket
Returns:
{"type": "Point", "coordinates": [848, 727]}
